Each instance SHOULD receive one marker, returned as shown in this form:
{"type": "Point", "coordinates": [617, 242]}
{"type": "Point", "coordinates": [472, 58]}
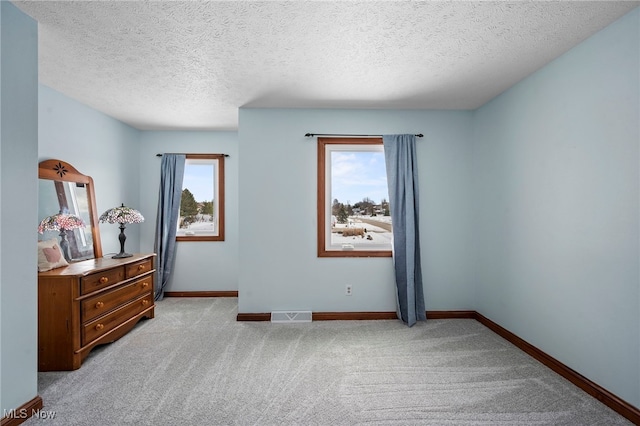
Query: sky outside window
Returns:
{"type": "Point", "coordinates": [198, 179]}
{"type": "Point", "coordinates": [356, 175]}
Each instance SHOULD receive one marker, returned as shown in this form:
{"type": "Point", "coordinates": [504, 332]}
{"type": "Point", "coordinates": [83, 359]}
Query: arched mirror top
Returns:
{"type": "Point", "coordinates": [62, 188]}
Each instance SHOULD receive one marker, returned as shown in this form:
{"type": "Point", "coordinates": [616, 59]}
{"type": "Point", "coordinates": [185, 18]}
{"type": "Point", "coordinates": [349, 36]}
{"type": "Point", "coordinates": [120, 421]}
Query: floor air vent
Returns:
{"type": "Point", "coordinates": [290, 316]}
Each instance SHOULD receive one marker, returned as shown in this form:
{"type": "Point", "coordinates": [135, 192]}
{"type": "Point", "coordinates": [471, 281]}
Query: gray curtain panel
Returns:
{"type": "Point", "coordinates": [171, 175]}
{"type": "Point", "coordinates": [402, 179]}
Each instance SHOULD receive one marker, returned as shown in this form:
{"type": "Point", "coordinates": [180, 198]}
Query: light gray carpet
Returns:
{"type": "Point", "coordinates": [195, 365]}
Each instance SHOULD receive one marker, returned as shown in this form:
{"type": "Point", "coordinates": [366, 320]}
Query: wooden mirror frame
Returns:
{"type": "Point", "coordinates": [57, 170]}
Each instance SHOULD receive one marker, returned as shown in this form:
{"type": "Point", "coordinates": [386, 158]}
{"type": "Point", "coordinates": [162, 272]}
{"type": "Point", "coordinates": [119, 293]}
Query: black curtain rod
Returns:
{"type": "Point", "coordinates": [419, 135]}
{"type": "Point", "coordinates": [160, 155]}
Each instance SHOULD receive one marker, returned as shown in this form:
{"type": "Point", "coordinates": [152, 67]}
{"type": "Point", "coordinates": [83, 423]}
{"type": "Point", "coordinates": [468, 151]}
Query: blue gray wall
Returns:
{"type": "Point", "coordinates": [280, 269]}
{"type": "Point", "coordinates": [99, 146]}
{"type": "Point", "coordinates": [123, 164]}
{"type": "Point", "coordinates": [18, 207]}
{"type": "Point", "coordinates": [556, 185]}
{"type": "Point", "coordinates": [200, 266]}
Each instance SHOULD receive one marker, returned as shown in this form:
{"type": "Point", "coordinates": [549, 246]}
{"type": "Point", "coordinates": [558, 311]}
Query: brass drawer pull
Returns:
{"type": "Point", "coordinates": [99, 305]}
{"type": "Point", "coordinates": [145, 302]}
{"type": "Point", "coordinates": [99, 327]}
{"type": "Point", "coordinates": [104, 280]}
{"type": "Point", "coordinates": [140, 267]}
{"type": "Point", "coordinates": [145, 284]}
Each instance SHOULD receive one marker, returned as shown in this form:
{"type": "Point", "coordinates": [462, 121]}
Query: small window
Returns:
{"type": "Point", "coordinates": [202, 202]}
{"type": "Point", "coordinates": [354, 218]}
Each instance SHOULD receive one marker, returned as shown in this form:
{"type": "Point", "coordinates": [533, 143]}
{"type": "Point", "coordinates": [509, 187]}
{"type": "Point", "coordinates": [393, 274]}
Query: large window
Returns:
{"type": "Point", "coordinates": [202, 202]}
{"type": "Point", "coordinates": [354, 218]}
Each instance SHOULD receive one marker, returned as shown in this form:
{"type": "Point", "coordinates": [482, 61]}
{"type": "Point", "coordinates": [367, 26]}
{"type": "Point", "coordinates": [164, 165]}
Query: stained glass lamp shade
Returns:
{"type": "Point", "coordinates": [122, 215]}
{"type": "Point", "coordinates": [62, 222]}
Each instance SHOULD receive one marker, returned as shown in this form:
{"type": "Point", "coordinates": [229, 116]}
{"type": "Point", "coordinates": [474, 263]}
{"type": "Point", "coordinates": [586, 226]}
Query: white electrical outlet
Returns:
{"type": "Point", "coordinates": [348, 290]}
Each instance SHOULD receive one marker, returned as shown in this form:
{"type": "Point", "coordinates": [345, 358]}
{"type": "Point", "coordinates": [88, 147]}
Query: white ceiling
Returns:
{"type": "Point", "coordinates": [192, 64]}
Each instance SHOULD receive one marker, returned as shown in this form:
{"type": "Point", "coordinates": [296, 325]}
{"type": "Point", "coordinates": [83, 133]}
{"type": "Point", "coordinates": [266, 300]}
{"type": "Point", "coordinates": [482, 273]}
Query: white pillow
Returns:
{"type": "Point", "coordinates": [50, 255]}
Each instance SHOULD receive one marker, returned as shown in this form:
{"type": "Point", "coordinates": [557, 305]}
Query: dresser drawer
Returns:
{"type": "Point", "coordinates": [104, 302]}
{"type": "Point", "coordinates": [139, 268]}
{"type": "Point", "coordinates": [100, 280]}
{"type": "Point", "coordinates": [89, 303]}
{"type": "Point", "coordinates": [103, 325]}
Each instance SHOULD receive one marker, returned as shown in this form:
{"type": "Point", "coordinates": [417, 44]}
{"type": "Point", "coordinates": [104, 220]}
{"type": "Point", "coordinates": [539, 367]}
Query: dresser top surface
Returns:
{"type": "Point", "coordinates": [90, 266]}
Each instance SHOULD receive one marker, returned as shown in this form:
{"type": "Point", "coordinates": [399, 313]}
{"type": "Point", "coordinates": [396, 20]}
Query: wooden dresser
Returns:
{"type": "Point", "coordinates": [89, 303]}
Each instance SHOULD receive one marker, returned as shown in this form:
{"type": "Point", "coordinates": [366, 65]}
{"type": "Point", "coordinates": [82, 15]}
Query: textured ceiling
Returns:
{"type": "Point", "coordinates": [191, 65]}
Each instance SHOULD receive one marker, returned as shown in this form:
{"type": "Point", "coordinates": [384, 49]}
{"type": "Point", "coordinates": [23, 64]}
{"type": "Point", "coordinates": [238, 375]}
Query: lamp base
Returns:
{"type": "Point", "coordinates": [122, 239]}
{"type": "Point", "coordinates": [121, 255]}
{"type": "Point", "coordinates": [64, 245]}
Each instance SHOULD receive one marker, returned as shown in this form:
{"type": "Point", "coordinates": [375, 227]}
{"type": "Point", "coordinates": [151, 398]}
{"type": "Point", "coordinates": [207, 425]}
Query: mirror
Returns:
{"type": "Point", "coordinates": [62, 188]}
